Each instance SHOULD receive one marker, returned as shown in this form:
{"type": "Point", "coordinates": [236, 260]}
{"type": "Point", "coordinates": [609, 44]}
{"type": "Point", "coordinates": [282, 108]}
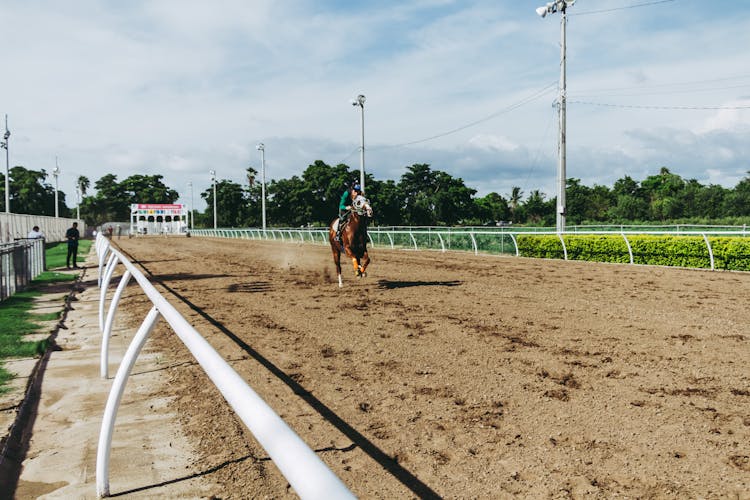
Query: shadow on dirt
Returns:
{"type": "Point", "coordinates": [251, 287]}
{"type": "Point", "coordinates": [391, 285]}
{"type": "Point", "coordinates": [388, 463]}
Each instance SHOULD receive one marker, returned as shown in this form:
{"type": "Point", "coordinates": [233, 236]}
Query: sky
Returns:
{"type": "Point", "coordinates": [181, 87]}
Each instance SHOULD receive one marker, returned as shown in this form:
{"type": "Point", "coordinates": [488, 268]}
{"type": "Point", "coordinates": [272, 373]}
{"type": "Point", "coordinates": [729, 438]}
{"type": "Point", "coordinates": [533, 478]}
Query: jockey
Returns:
{"type": "Point", "coordinates": [345, 206]}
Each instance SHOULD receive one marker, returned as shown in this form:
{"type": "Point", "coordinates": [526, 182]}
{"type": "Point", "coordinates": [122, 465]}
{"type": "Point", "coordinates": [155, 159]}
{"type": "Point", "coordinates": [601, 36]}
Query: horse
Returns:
{"type": "Point", "coordinates": [353, 238]}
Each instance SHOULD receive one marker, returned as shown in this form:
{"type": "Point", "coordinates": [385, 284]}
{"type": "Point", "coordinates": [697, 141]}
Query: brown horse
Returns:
{"type": "Point", "coordinates": [353, 238]}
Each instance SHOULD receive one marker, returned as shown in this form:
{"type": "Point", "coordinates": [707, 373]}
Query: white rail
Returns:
{"type": "Point", "coordinates": [412, 236]}
{"type": "Point", "coordinates": [305, 471]}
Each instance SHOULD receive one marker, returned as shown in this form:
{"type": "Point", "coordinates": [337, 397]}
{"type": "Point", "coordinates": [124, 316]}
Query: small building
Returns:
{"type": "Point", "coordinates": [158, 218]}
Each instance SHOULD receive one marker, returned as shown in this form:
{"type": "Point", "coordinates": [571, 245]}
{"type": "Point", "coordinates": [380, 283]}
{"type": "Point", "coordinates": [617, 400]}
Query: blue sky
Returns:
{"type": "Point", "coordinates": [182, 87]}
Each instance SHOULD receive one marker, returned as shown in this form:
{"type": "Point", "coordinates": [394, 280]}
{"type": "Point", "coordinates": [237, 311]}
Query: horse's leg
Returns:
{"type": "Point", "coordinates": [365, 263]}
{"type": "Point", "coordinates": [337, 261]}
{"type": "Point", "coordinates": [336, 250]}
{"type": "Point", "coordinates": [355, 263]}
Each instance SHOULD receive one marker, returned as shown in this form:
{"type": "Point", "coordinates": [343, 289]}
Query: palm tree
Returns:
{"type": "Point", "coordinates": [515, 198]}
{"type": "Point", "coordinates": [83, 184]}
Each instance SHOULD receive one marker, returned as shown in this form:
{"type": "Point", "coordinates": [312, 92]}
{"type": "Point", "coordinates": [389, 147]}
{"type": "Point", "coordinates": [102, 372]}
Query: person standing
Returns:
{"type": "Point", "coordinates": [35, 233]}
{"type": "Point", "coordinates": [72, 235]}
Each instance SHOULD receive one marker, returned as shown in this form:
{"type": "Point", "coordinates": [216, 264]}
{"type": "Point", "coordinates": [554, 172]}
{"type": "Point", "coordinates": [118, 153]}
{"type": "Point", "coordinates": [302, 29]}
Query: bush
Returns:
{"type": "Point", "coordinates": [682, 251]}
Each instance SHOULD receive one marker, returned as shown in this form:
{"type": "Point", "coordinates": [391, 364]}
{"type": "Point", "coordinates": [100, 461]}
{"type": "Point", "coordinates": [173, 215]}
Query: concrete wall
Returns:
{"type": "Point", "coordinates": [18, 226]}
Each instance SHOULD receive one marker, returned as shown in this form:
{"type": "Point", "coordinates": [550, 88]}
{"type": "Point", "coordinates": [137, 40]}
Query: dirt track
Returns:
{"type": "Point", "coordinates": [461, 376]}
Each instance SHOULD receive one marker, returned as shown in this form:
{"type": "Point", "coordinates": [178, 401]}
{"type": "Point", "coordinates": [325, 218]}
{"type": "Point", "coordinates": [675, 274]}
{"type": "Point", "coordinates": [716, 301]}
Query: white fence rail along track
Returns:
{"type": "Point", "coordinates": [499, 240]}
{"type": "Point", "coordinates": [20, 262]}
{"type": "Point", "coordinates": [304, 470]}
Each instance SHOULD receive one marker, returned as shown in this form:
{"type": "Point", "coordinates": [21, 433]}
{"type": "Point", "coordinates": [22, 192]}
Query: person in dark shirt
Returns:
{"type": "Point", "coordinates": [72, 236]}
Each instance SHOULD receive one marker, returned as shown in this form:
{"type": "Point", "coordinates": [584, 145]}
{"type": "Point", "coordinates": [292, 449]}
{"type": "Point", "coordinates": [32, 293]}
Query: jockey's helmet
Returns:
{"type": "Point", "coordinates": [357, 187]}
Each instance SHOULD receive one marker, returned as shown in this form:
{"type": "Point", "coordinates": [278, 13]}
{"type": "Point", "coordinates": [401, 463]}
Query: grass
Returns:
{"type": "Point", "coordinates": [17, 318]}
{"type": "Point", "coordinates": [57, 252]}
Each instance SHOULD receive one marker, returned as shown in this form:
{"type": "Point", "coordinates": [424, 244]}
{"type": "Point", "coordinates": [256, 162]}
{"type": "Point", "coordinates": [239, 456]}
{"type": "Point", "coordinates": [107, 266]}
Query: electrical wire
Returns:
{"type": "Point", "coordinates": [634, 106]}
{"type": "Point", "coordinates": [540, 93]}
{"type": "Point", "coordinates": [645, 4]}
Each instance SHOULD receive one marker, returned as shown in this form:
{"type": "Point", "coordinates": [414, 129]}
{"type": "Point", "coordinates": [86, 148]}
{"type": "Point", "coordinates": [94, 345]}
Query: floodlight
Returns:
{"type": "Point", "coordinates": [542, 11]}
{"type": "Point", "coordinates": [260, 146]}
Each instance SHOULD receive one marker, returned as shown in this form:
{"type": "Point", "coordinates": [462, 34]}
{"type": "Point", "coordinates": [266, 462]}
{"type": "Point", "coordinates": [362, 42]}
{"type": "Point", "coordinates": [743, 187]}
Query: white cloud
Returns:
{"type": "Point", "coordinates": [179, 87]}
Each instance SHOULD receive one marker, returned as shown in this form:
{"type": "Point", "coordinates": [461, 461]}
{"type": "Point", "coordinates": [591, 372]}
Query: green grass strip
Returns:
{"type": "Point", "coordinates": [57, 253]}
{"type": "Point", "coordinates": [18, 319]}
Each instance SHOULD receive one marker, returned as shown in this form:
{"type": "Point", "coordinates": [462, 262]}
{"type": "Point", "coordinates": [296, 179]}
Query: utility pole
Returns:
{"type": "Point", "coordinates": [4, 145]}
{"type": "Point", "coordinates": [562, 7]}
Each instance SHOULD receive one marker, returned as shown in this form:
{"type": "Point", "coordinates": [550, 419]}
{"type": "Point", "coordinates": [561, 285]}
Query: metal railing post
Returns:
{"type": "Point", "coordinates": [113, 401]}
{"type": "Point", "coordinates": [104, 358]}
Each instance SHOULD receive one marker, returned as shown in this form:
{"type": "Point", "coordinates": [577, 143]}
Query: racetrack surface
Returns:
{"type": "Point", "coordinates": [464, 376]}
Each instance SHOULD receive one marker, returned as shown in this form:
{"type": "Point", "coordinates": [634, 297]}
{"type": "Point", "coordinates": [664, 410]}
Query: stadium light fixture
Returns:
{"type": "Point", "coordinates": [4, 145]}
{"type": "Point", "coordinates": [360, 101]}
{"type": "Point", "coordinates": [560, 6]}
{"type": "Point", "coordinates": [213, 181]}
{"type": "Point", "coordinates": [262, 148]}
{"type": "Point", "coordinates": [55, 173]}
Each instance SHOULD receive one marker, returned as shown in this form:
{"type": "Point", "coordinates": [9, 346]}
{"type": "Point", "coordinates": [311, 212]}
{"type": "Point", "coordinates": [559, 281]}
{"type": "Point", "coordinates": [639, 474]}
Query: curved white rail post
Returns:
{"type": "Point", "coordinates": [515, 243]}
{"type": "Point", "coordinates": [565, 250]}
{"type": "Point", "coordinates": [102, 258]}
{"type": "Point", "coordinates": [113, 401]}
{"type": "Point", "coordinates": [442, 244]}
{"type": "Point", "coordinates": [630, 249]}
{"type": "Point", "coordinates": [104, 358]}
{"type": "Point", "coordinates": [710, 251]}
{"type": "Point", "coordinates": [474, 242]}
{"type": "Point", "coordinates": [108, 270]}
{"type": "Point", "coordinates": [372, 243]}
{"type": "Point", "coordinates": [413, 240]}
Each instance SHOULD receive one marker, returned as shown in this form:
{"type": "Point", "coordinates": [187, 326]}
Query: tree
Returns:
{"type": "Point", "coordinates": [231, 203]}
{"type": "Point", "coordinates": [387, 199]}
{"type": "Point", "coordinates": [491, 209]}
{"type": "Point", "coordinates": [288, 203]}
{"type": "Point", "coordinates": [737, 202]}
{"type": "Point", "coordinates": [516, 196]}
{"type": "Point", "coordinates": [29, 194]}
{"type": "Point", "coordinates": [83, 184]}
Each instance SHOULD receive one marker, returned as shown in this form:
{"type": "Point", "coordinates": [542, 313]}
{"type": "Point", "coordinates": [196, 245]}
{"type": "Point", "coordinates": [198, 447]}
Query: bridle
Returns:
{"type": "Point", "coordinates": [361, 206]}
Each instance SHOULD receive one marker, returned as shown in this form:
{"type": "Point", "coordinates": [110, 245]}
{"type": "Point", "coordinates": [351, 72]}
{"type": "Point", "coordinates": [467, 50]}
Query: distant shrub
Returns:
{"type": "Point", "coordinates": [681, 251]}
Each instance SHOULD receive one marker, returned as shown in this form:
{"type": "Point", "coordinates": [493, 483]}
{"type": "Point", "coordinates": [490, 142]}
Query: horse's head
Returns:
{"type": "Point", "coordinates": [361, 205]}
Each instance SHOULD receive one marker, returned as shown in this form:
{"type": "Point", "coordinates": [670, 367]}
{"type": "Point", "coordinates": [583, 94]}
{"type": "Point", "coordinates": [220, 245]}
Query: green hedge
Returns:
{"type": "Point", "coordinates": [683, 251]}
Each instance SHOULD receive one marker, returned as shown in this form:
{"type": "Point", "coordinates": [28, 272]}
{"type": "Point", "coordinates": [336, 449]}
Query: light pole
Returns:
{"type": "Point", "coordinates": [260, 147]}
{"type": "Point", "coordinates": [213, 180]}
{"type": "Point", "coordinates": [192, 217]}
{"type": "Point", "coordinates": [4, 144]}
{"type": "Point", "coordinates": [560, 6]}
{"type": "Point", "coordinates": [55, 173]}
{"type": "Point", "coordinates": [360, 101]}
{"type": "Point", "coordinates": [78, 201]}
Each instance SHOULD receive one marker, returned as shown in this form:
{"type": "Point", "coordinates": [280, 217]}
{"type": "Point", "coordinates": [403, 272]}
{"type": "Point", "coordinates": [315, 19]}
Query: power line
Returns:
{"type": "Point", "coordinates": [594, 93]}
{"type": "Point", "coordinates": [633, 106]}
{"type": "Point", "coordinates": [507, 109]}
{"type": "Point", "coordinates": [645, 4]}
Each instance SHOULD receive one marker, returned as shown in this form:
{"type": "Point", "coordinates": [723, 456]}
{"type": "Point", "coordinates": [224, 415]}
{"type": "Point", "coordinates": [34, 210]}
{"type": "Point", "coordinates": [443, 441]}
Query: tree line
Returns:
{"type": "Point", "coordinates": [423, 196]}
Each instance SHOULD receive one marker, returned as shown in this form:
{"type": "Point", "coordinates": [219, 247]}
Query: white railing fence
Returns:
{"type": "Point", "coordinates": [305, 471]}
{"type": "Point", "coordinates": [501, 240]}
{"type": "Point", "coordinates": [20, 262]}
